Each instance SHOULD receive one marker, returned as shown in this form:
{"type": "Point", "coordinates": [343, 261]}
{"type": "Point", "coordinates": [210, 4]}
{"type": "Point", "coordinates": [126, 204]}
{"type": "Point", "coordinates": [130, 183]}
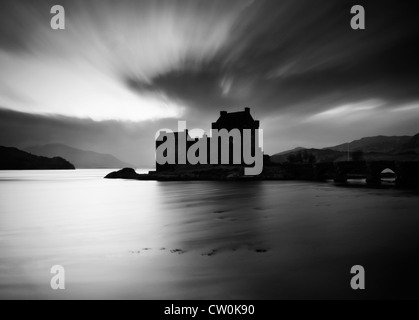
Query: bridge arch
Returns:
{"type": "Point", "coordinates": [344, 169]}
{"type": "Point", "coordinates": [372, 170]}
{"type": "Point", "coordinates": [376, 168]}
{"type": "Point", "coordinates": [388, 176]}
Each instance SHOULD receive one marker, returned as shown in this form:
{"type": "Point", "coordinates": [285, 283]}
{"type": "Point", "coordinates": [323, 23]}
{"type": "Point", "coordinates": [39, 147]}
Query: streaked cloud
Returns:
{"type": "Point", "coordinates": [410, 107]}
{"type": "Point", "coordinates": [348, 112]}
{"type": "Point", "coordinates": [305, 73]}
{"type": "Point", "coordinates": [81, 71]}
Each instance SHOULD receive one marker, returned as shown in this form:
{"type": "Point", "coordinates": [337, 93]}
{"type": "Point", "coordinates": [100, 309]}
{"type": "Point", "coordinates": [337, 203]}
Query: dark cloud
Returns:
{"type": "Point", "coordinates": [200, 89]}
{"type": "Point", "coordinates": [290, 53]}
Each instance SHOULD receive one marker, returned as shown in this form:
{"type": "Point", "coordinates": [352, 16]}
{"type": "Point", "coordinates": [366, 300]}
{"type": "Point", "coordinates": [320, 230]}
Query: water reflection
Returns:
{"type": "Point", "coordinates": [200, 240]}
{"type": "Point", "coordinates": [214, 216]}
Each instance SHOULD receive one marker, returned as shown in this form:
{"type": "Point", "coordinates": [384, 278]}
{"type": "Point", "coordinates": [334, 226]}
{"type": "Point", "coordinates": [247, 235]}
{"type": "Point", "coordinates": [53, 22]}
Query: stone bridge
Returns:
{"type": "Point", "coordinates": [407, 172]}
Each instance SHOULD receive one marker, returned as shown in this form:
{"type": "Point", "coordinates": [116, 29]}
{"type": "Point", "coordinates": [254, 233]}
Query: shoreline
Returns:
{"type": "Point", "coordinates": [235, 174]}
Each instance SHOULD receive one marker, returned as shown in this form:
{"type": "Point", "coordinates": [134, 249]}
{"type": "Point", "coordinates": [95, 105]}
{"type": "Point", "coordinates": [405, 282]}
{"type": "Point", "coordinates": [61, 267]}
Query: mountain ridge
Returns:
{"type": "Point", "coordinates": [382, 144]}
{"type": "Point", "coordinates": [15, 159]}
{"type": "Point", "coordinates": [82, 159]}
{"type": "Point", "coordinates": [372, 148]}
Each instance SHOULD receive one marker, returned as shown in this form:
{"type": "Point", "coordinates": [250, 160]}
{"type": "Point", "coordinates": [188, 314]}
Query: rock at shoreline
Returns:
{"type": "Point", "coordinates": [191, 173]}
{"type": "Point", "coordinates": [126, 173]}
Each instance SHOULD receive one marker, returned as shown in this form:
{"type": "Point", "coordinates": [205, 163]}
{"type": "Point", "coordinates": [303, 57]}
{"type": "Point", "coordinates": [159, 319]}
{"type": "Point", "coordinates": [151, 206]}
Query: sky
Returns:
{"type": "Point", "coordinates": [121, 70]}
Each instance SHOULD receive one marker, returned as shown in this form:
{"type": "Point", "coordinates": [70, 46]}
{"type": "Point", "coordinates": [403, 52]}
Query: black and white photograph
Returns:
{"type": "Point", "coordinates": [209, 150]}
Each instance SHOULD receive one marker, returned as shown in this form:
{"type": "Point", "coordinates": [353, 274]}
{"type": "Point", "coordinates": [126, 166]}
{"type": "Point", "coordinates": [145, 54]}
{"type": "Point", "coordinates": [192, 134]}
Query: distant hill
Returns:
{"type": "Point", "coordinates": [381, 144]}
{"type": "Point", "coordinates": [402, 148]}
{"type": "Point", "coordinates": [15, 159]}
{"type": "Point", "coordinates": [283, 153]}
{"type": "Point", "coordinates": [321, 155]}
{"type": "Point", "coordinates": [412, 146]}
{"type": "Point", "coordinates": [80, 158]}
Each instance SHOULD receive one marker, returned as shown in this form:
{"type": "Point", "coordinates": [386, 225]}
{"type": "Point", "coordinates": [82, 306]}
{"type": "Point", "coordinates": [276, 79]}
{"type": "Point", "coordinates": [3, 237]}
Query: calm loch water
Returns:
{"type": "Point", "coordinates": [203, 240]}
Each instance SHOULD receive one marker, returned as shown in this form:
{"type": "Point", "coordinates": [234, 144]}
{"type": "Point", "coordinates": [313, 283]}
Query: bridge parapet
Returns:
{"type": "Point", "coordinates": [407, 172]}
